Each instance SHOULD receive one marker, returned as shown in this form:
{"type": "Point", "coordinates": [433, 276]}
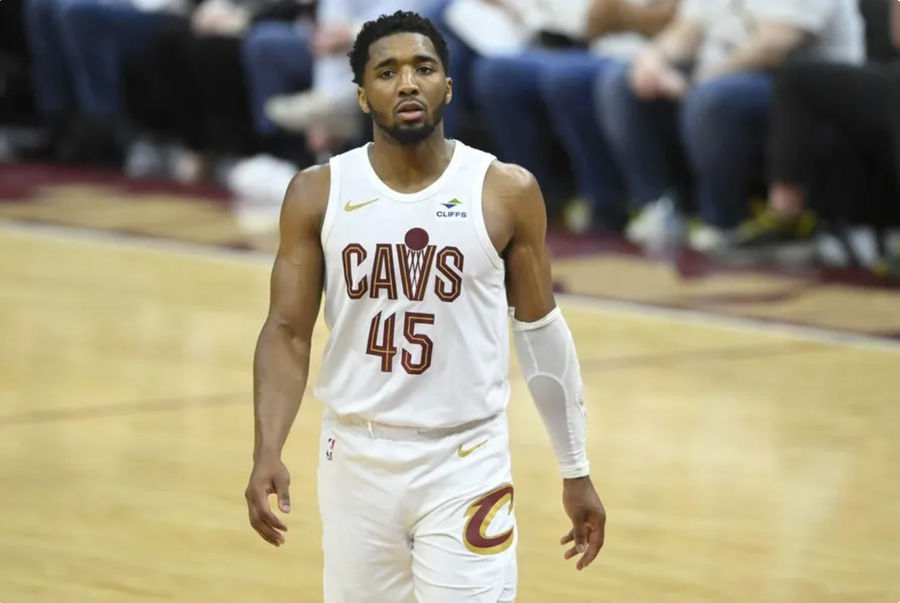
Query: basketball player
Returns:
{"type": "Point", "coordinates": [422, 245]}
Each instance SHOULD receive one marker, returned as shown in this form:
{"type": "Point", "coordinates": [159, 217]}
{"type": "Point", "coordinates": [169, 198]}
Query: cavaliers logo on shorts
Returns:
{"type": "Point", "coordinates": [480, 514]}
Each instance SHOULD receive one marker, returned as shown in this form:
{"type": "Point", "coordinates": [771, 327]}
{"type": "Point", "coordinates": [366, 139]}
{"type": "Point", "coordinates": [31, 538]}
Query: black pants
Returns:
{"type": "Point", "coordinates": [833, 131]}
{"type": "Point", "coordinates": [196, 92]}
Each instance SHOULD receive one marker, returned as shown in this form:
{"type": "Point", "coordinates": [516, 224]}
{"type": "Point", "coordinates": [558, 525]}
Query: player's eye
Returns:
{"type": "Point", "coordinates": [386, 74]}
{"type": "Point", "coordinates": [425, 70]}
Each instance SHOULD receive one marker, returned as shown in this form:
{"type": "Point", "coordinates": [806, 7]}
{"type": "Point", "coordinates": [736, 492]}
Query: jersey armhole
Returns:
{"type": "Point", "coordinates": [480, 228]}
{"type": "Point", "coordinates": [334, 190]}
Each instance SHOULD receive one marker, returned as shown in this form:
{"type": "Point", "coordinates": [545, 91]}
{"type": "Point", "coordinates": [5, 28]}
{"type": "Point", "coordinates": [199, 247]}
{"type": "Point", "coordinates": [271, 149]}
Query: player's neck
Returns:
{"type": "Point", "coordinates": [410, 168]}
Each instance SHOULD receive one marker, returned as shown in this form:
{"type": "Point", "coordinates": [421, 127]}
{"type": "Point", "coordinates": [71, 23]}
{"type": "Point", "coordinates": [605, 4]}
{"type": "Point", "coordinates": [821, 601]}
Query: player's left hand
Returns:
{"type": "Point", "coordinates": [588, 516]}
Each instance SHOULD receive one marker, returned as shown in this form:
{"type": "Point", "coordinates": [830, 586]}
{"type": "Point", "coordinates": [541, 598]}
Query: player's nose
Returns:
{"type": "Point", "coordinates": [408, 84]}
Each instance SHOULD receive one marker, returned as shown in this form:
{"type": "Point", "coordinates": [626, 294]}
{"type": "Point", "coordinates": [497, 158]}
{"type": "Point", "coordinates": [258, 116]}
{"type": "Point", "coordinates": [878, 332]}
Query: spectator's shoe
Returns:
{"type": "Point", "coordinates": [27, 146]}
{"type": "Point", "coordinates": [261, 180]}
{"type": "Point", "coordinates": [258, 185]}
{"type": "Point", "coordinates": [145, 159]}
{"type": "Point", "coordinates": [705, 238]}
{"type": "Point", "coordinates": [886, 261]}
{"type": "Point", "coordinates": [577, 215]}
{"type": "Point", "coordinates": [102, 142]}
{"type": "Point", "coordinates": [769, 237]}
{"type": "Point", "coordinates": [658, 225]}
{"type": "Point", "coordinates": [300, 112]}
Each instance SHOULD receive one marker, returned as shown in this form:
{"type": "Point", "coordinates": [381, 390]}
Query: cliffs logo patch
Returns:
{"type": "Point", "coordinates": [454, 210]}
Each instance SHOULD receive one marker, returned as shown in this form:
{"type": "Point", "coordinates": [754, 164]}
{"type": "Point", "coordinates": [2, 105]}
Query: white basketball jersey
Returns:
{"type": "Point", "coordinates": [415, 298]}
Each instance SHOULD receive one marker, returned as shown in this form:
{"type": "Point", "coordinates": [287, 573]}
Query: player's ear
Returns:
{"type": "Point", "coordinates": [363, 101]}
{"type": "Point", "coordinates": [448, 96]}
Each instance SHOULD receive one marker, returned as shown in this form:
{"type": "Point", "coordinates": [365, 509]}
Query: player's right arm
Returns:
{"type": "Point", "coordinates": [281, 361]}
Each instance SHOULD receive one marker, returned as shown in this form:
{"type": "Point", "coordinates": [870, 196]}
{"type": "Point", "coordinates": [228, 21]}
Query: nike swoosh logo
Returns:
{"type": "Point", "coordinates": [350, 207]}
{"type": "Point", "coordinates": [465, 453]}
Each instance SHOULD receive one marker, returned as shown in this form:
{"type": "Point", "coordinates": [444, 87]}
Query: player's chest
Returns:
{"type": "Point", "coordinates": [412, 251]}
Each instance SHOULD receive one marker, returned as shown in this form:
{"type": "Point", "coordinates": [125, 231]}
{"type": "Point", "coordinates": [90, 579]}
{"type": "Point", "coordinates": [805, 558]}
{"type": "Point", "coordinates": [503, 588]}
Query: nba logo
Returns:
{"type": "Point", "coordinates": [329, 449]}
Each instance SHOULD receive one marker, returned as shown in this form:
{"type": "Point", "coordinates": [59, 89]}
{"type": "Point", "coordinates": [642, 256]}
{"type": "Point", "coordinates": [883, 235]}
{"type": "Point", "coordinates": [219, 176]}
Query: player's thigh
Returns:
{"type": "Point", "coordinates": [467, 552]}
{"type": "Point", "coordinates": [366, 548]}
{"type": "Point", "coordinates": [464, 546]}
{"type": "Point", "coordinates": [456, 581]}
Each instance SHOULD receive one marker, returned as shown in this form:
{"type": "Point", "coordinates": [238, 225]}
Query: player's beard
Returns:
{"type": "Point", "coordinates": [409, 135]}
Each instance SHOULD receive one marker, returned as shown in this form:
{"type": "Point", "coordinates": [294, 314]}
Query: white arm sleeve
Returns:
{"type": "Point", "coordinates": [549, 363]}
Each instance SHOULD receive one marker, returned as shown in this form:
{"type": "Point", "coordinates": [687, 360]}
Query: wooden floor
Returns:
{"type": "Point", "coordinates": [735, 464]}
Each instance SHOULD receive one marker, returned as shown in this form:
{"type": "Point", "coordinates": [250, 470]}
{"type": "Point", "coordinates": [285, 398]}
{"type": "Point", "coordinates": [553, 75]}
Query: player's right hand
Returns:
{"type": "Point", "coordinates": [269, 476]}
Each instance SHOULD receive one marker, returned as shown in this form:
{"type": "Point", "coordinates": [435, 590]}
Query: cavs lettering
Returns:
{"type": "Point", "coordinates": [413, 269]}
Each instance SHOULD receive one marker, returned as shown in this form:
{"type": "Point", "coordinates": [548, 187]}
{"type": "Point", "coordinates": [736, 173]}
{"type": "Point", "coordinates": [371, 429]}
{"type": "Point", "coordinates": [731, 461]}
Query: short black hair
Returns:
{"type": "Point", "coordinates": [387, 25]}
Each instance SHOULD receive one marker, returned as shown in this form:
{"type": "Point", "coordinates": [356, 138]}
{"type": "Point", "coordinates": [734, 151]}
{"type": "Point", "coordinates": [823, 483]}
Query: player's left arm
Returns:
{"type": "Point", "coordinates": [547, 355]}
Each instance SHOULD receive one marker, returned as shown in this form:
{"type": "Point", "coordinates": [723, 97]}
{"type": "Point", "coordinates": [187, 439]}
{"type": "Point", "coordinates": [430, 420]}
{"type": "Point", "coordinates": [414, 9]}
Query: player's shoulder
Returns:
{"type": "Point", "coordinates": [310, 187]}
{"type": "Point", "coordinates": [514, 188]}
{"type": "Point", "coordinates": [510, 178]}
{"type": "Point", "coordinates": [306, 198]}
{"type": "Point", "coordinates": [310, 184]}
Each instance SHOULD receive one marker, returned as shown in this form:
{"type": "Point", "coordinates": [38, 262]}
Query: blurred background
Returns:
{"type": "Point", "coordinates": [722, 180]}
{"type": "Point", "coordinates": [747, 131]}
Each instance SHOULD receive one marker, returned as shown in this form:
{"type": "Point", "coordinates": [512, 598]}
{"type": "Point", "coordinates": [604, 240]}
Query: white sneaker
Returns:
{"type": "Point", "coordinates": [299, 112]}
{"type": "Point", "coordinates": [578, 215]}
{"type": "Point", "coordinates": [145, 159]}
{"type": "Point", "coordinates": [261, 179]}
{"type": "Point", "coordinates": [185, 165]}
{"type": "Point", "coordinates": [710, 239]}
{"type": "Point", "coordinates": [259, 184]}
{"type": "Point", "coordinates": [658, 225]}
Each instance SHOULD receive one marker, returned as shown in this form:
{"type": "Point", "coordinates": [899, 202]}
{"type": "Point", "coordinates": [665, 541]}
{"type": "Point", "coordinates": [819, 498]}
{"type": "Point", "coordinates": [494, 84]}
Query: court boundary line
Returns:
{"type": "Point", "coordinates": [732, 322]}
{"type": "Point", "coordinates": [634, 309]}
{"type": "Point", "coordinates": [122, 409]}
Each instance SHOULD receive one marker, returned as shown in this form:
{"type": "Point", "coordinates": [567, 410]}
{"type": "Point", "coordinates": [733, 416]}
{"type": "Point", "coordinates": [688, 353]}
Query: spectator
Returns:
{"type": "Point", "coordinates": [80, 49]}
{"type": "Point", "coordinates": [278, 59]}
{"type": "Point", "coordinates": [282, 59]}
{"type": "Point", "coordinates": [200, 95]}
{"type": "Point", "coordinates": [327, 113]}
{"type": "Point", "coordinates": [518, 93]}
{"type": "Point", "coordinates": [865, 115]}
{"type": "Point", "coordinates": [692, 110]}
{"type": "Point", "coordinates": [475, 29]}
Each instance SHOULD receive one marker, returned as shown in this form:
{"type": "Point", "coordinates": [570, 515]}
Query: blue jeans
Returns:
{"type": "Point", "coordinates": [462, 59]}
{"type": "Point", "coordinates": [54, 90]}
{"type": "Point", "coordinates": [278, 60]}
{"type": "Point", "coordinates": [516, 94]}
{"type": "Point", "coordinates": [718, 130]}
{"type": "Point", "coordinates": [80, 47]}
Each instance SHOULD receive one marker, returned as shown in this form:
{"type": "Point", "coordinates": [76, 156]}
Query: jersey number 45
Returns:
{"type": "Point", "coordinates": [384, 347]}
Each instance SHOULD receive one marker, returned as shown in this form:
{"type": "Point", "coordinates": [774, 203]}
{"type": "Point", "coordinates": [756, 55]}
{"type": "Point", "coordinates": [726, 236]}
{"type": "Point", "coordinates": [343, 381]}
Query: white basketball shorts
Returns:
{"type": "Point", "coordinates": [418, 516]}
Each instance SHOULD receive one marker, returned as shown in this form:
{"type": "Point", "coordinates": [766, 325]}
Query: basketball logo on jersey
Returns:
{"type": "Point", "coordinates": [329, 449]}
{"type": "Point", "coordinates": [481, 513]}
{"type": "Point", "coordinates": [452, 211]}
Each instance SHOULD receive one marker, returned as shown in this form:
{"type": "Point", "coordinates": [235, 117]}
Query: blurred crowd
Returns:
{"type": "Point", "coordinates": [743, 129]}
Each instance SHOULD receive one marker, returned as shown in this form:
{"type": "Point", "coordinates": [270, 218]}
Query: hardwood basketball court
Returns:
{"type": "Point", "coordinates": [739, 459]}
